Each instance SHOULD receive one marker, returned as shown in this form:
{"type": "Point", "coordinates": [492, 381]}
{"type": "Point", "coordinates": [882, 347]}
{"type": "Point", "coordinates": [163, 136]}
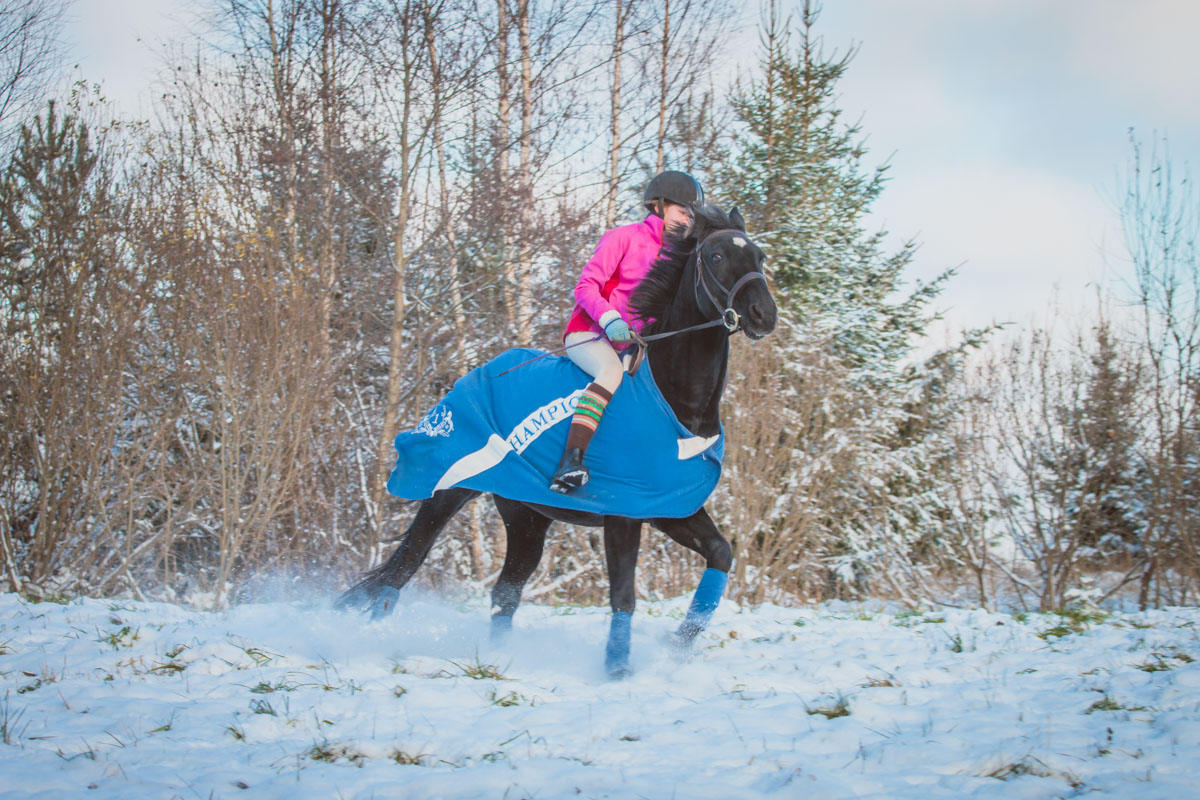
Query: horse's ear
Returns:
{"type": "Point", "coordinates": [735, 219]}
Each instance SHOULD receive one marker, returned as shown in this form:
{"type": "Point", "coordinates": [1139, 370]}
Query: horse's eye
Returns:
{"type": "Point", "coordinates": [716, 257]}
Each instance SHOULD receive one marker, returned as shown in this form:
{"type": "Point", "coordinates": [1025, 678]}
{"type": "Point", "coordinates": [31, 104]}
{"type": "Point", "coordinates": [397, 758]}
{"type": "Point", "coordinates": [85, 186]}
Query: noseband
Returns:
{"type": "Point", "coordinates": [729, 317]}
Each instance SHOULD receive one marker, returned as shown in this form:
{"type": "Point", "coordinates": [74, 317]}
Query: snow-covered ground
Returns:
{"type": "Point", "coordinates": [123, 699]}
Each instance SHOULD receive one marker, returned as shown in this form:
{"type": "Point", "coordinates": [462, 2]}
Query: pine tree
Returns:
{"type": "Point", "coordinates": [799, 174]}
{"type": "Point", "coordinates": [801, 181]}
{"type": "Point", "coordinates": [1102, 468]}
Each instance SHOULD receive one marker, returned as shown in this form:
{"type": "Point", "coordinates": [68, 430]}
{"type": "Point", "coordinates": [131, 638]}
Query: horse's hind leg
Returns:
{"type": "Point", "coordinates": [699, 533]}
{"type": "Point", "coordinates": [380, 587]}
{"type": "Point", "coordinates": [526, 532]}
{"type": "Point", "coordinates": [622, 538]}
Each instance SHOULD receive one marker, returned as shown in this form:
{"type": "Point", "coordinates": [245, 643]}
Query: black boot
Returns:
{"type": "Point", "coordinates": [571, 472]}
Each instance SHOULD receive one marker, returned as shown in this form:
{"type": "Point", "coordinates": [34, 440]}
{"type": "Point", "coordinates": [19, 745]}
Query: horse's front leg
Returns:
{"type": "Point", "coordinates": [699, 533]}
{"type": "Point", "coordinates": [622, 538]}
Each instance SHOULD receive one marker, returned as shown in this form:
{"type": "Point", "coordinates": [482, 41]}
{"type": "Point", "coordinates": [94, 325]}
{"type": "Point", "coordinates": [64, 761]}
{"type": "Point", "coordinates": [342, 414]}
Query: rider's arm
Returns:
{"type": "Point", "coordinates": [599, 271]}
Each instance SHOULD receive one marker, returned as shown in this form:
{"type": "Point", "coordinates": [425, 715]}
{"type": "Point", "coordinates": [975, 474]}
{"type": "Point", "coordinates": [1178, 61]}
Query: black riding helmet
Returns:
{"type": "Point", "coordinates": [678, 187]}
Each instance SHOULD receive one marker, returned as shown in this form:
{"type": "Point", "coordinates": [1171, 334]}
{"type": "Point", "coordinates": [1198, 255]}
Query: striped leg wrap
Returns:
{"type": "Point", "coordinates": [587, 415]}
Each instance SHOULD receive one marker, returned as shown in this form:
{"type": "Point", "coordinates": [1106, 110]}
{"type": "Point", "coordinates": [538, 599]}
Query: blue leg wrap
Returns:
{"type": "Point", "coordinates": [385, 602]}
{"type": "Point", "coordinates": [616, 652]}
{"type": "Point", "coordinates": [707, 597]}
{"type": "Point", "coordinates": [704, 603]}
{"type": "Point", "coordinates": [501, 627]}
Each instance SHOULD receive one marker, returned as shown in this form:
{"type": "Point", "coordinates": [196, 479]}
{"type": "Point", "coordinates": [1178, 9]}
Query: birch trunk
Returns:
{"type": "Point", "coordinates": [503, 112]}
{"type": "Point", "coordinates": [479, 554]}
{"type": "Point", "coordinates": [456, 299]}
{"type": "Point", "coordinates": [327, 266]}
{"type": "Point", "coordinates": [525, 259]}
{"type": "Point", "coordinates": [384, 453]}
{"type": "Point", "coordinates": [614, 160]}
{"type": "Point", "coordinates": [659, 158]}
{"type": "Point", "coordinates": [396, 353]}
{"type": "Point", "coordinates": [282, 86]}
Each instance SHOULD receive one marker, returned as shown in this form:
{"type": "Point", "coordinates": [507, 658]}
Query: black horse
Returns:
{"type": "Point", "coordinates": [689, 330]}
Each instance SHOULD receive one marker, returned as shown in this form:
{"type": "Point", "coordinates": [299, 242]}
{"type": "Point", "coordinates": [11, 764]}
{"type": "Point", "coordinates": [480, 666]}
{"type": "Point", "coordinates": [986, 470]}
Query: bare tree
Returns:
{"type": "Point", "coordinates": [71, 305]}
{"type": "Point", "coordinates": [524, 265]}
{"type": "Point", "coordinates": [30, 56]}
{"type": "Point", "coordinates": [970, 536]}
{"type": "Point", "coordinates": [785, 465]}
{"type": "Point", "coordinates": [329, 79]}
{"type": "Point", "coordinates": [402, 75]}
{"type": "Point", "coordinates": [440, 96]}
{"type": "Point", "coordinates": [290, 191]}
{"type": "Point", "coordinates": [1059, 458]}
{"type": "Point", "coordinates": [502, 145]}
{"type": "Point", "coordinates": [664, 77]}
{"type": "Point", "coordinates": [682, 39]}
{"type": "Point", "coordinates": [1160, 214]}
{"type": "Point", "coordinates": [623, 10]}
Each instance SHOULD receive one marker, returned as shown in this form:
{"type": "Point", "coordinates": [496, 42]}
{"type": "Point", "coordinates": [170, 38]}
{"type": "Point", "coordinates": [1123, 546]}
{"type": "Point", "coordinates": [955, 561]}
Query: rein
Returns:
{"type": "Point", "coordinates": [728, 316]}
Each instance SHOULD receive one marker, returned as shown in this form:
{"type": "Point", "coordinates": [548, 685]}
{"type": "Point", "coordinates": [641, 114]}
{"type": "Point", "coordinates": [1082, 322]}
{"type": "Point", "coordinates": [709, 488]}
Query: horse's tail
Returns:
{"type": "Point", "coordinates": [383, 582]}
{"type": "Point", "coordinates": [362, 594]}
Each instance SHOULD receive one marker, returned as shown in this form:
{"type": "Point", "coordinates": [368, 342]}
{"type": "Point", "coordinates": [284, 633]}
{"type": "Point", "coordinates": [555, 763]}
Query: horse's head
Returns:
{"type": "Point", "coordinates": [729, 278]}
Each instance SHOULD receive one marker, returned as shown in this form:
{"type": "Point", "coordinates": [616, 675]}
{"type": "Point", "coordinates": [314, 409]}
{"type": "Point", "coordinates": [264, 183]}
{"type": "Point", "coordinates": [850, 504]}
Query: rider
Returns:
{"type": "Point", "coordinates": [601, 323]}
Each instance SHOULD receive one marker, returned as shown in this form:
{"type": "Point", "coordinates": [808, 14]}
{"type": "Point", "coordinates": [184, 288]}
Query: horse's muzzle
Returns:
{"type": "Point", "coordinates": [760, 318]}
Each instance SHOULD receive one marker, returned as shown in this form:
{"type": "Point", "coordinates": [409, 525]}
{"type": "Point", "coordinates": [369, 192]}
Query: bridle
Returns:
{"type": "Point", "coordinates": [729, 317]}
{"type": "Point", "coordinates": [726, 315]}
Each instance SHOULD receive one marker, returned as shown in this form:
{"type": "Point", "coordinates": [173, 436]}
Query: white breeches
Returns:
{"type": "Point", "coordinates": [597, 359]}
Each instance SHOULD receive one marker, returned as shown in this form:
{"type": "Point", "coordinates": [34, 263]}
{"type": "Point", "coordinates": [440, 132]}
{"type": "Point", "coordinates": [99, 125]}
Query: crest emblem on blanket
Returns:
{"type": "Point", "coordinates": [438, 422]}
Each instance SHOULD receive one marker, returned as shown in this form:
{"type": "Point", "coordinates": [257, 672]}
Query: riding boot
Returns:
{"type": "Point", "coordinates": [571, 473]}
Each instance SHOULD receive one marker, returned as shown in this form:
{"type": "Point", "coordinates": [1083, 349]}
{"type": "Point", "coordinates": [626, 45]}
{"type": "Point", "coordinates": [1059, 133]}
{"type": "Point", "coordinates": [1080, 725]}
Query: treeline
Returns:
{"type": "Point", "coordinates": [215, 323]}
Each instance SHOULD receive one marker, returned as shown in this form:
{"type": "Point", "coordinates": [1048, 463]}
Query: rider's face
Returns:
{"type": "Point", "coordinates": [675, 215]}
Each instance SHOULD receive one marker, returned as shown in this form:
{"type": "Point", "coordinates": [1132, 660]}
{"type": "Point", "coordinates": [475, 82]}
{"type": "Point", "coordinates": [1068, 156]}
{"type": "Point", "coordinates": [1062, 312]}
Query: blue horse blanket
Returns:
{"type": "Point", "coordinates": [505, 434]}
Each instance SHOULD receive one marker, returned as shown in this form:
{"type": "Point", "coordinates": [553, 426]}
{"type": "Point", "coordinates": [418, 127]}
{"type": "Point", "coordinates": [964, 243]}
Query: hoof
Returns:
{"type": "Point", "coordinates": [616, 651]}
{"type": "Point", "coordinates": [680, 641]}
{"type": "Point", "coordinates": [619, 673]}
{"type": "Point", "coordinates": [501, 629]}
{"type": "Point", "coordinates": [681, 652]}
{"type": "Point", "coordinates": [385, 602]}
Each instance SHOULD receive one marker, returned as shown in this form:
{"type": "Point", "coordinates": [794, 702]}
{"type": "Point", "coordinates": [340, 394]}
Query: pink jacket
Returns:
{"type": "Point", "coordinates": [622, 258]}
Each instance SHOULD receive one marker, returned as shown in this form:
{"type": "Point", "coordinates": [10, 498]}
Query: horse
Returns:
{"type": "Point", "coordinates": [686, 342]}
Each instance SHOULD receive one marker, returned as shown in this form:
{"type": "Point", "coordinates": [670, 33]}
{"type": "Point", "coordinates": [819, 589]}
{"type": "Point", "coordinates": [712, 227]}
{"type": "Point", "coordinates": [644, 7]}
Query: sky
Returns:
{"type": "Point", "coordinates": [1006, 125]}
{"type": "Point", "coordinates": [120, 44]}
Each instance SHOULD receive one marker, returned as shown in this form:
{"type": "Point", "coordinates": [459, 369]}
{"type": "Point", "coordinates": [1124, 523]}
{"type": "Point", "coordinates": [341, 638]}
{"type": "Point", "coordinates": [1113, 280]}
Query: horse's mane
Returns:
{"type": "Point", "coordinates": [657, 290]}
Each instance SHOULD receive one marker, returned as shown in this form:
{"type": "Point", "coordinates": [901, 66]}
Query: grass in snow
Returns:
{"type": "Point", "coordinates": [830, 708]}
{"type": "Point", "coordinates": [841, 662]}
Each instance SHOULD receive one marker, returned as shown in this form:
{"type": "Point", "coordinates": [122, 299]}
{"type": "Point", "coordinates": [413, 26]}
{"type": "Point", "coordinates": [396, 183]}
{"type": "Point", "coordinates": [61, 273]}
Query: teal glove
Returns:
{"type": "Point", "coordinates": [618, 331]}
